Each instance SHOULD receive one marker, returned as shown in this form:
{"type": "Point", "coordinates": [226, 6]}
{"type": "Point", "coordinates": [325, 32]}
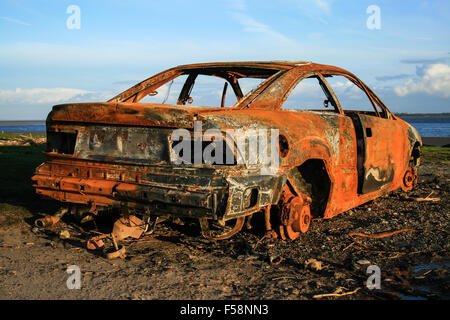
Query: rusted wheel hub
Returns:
{"type": "Point", "coordinates": [409, 179]}
{"type": "Point", "coordinates": [295, 217]}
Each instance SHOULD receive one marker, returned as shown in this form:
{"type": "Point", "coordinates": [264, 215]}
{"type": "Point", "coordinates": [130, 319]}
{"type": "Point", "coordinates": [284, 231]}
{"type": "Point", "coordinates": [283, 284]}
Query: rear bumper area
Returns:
{"type": "Point", "coordinates": [183, 192]}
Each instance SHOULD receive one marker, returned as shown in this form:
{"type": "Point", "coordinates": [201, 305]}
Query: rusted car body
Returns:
{"type": "Point", "coordinates": [119, 153]}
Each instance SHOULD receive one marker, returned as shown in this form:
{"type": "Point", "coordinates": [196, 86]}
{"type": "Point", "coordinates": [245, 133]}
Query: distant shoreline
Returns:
{"type": "Point", "coordinates": [19, 122]}
{"type": "Point", "coordinates": [436, 141]}
{"type": "Point", "coordinates": [428, 115]}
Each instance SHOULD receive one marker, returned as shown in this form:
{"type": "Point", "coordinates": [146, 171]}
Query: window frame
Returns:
{"type": "Point", "coordinates": [137, 92]}
{"type": "Point", "coordinates": [189, 85]}
{"type": "Point", "coordinates": [326, 88]}
{"type": "Point", "coordinates": [377, 105]}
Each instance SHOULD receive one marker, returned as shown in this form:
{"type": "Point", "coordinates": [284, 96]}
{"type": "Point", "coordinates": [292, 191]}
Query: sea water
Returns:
{"type": "Point", "coordinates": [427, 126]}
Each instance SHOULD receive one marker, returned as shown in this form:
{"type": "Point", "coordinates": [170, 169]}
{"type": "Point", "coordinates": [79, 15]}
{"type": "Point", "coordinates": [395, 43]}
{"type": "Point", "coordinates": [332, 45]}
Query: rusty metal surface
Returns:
{"type": "Point", "coordinates": [117, 153]}
{"type": "Point", "coordinates": [295, 214]}
{"type": "Point", "coordinates": [129, 226]}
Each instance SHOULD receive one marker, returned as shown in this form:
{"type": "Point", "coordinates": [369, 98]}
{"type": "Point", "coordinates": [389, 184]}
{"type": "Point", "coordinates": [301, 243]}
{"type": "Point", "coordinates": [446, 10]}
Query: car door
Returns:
{"type": "Point", "coordinates": [378, 155]}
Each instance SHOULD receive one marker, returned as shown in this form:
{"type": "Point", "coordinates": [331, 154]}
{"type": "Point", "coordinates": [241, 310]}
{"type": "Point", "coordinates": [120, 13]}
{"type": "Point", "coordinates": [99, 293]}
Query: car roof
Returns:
{"type": "Point", "coordinates": [262, 64]}
{"type": "Point", "coordinates": [239, 69]}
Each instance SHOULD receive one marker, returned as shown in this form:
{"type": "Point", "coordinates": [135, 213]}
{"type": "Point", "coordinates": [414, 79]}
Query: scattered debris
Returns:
{"type": "Point", "coordinates": [337, 293]}
{"type": "Point", "coordinates": [347, 247]}
{"type": "Point", "coordinates": [378, 235]}
{"type": "Point", "coordinates": [314, 264]}
{"type": "Point", "coordinates": [427, 198]}
{"type": "Point", "coordinates": [64, 234]}
{"type": "Point", "coordinates": [339, 275]}
{"type": "Point", "coordinates": [119, 253]}
{"type": "Point", "coordinates": [95, 243]}
{"type": "Point", "coordinates": [46, 222]}
{"type": "Point", "coordinates": [275, 260]}
{"type": "Point", "coordinates": [50, 221]}
{"type": "Point", "coordinates": [129, 226]}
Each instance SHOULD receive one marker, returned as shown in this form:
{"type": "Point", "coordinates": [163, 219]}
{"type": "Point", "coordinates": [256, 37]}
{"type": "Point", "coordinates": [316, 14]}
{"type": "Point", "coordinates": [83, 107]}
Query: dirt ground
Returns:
{"type": "Point", "coordinates": [176, 263]}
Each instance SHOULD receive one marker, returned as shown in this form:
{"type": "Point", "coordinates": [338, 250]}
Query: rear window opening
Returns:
{"type": "Point", "coordinates": [213, 87]}
{"type": "Point", "coordinates": [61, 142]}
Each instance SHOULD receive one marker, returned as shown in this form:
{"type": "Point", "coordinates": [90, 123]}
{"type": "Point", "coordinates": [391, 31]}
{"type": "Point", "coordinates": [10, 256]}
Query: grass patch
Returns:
{"type": "Point", "coordinates": [18, 164]}
{"type": "Point", "coordinates": [15, 136]}
{"type": "Point", "coordinates": [436, 153]}
{"type": "Point", "coordinates": [18, 199]}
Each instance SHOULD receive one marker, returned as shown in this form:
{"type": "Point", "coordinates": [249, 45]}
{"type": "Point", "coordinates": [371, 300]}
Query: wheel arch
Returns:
{"type": "Point", "coordinates": [312, 178]}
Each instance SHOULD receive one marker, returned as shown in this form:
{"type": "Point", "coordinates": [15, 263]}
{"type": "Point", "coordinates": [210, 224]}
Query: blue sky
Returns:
{"type": "Point", "coordinates": [42, 62]}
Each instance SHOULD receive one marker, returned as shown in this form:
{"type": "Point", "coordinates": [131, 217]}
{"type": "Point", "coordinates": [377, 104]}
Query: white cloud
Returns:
{"type": "Point", "coordinates": [16, 21]}
{"type": "Point", "coordinates": [434, 80]}
{"type": "Point", "coordinates": [252, 25]}
{"type": "Point", "coordinates": [238, 5]}
{"type": "Point", "coordinates": [315, 9]}
{"type": "Point", "coordinates": [21, 96]}
{"type": "Point", "coordinates": [322, 5]}
{"type": "Point", "coordinates": [32, 104]}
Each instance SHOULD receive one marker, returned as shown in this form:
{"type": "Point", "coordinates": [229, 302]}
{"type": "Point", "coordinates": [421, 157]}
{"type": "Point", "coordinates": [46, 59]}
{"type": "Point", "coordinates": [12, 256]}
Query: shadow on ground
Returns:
{"type": "Point", "coordinates": [17, 197]}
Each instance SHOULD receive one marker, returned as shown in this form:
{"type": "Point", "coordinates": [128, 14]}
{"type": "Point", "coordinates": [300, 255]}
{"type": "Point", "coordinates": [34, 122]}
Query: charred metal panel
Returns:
{"type": "Point", "coordinates": [240, 188]}
{"type": "Point", "coordinates": [130, 114]}
{"type": "Point", "coordinates": [131, 144]}
{"type": "Point", "coordinates": [147, 187]}
{"type": "Point", "coordinates": [383, 154]}
{"type": "Point", "coordinates": [413, 136]}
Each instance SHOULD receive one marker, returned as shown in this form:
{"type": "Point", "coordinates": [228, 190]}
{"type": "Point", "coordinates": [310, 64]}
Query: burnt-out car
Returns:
{"type": "Point", "coordinates": [193, 142]}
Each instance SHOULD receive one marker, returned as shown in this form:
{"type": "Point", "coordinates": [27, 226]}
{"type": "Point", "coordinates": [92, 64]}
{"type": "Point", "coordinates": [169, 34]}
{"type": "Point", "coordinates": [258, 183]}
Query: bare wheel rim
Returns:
{"type": "Point", "coordinates": [409, 179]}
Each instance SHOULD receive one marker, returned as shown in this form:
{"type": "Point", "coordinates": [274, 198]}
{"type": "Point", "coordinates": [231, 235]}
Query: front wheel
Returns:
{"type": "Point", "coordinates": [409, 179]}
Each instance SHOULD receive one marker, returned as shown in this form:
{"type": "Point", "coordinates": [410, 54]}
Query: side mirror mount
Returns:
{"type": "Point", "coordinates": [325, 103]}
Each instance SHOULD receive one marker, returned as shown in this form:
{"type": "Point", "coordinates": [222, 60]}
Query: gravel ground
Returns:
{"type": "Point", "coordinates": [175, 263]}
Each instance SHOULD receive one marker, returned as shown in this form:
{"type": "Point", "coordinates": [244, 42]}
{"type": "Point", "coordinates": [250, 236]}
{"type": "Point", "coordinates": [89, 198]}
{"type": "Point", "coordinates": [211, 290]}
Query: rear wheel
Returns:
{"type": "Point", "coordinates": [295, 215]}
